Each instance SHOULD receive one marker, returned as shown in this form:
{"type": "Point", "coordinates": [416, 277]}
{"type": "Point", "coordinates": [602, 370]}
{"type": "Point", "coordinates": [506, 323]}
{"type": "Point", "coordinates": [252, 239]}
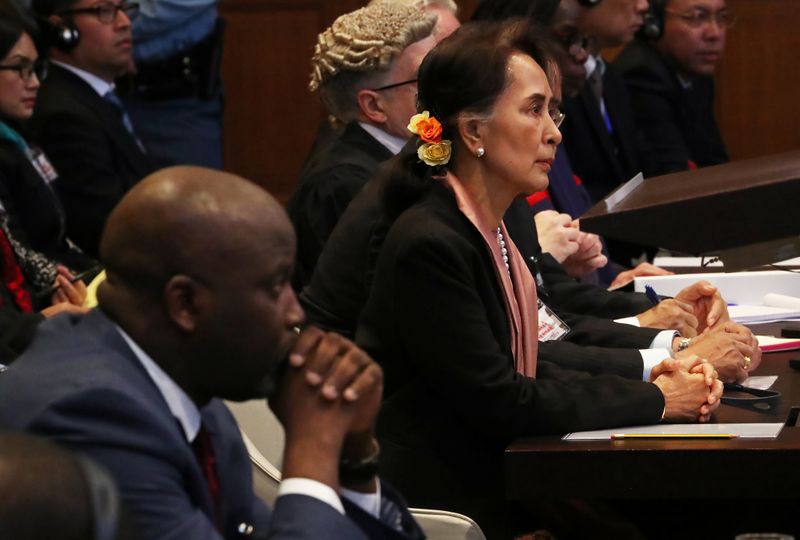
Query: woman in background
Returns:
{"type": "Point", "coordinates": [34, 254]}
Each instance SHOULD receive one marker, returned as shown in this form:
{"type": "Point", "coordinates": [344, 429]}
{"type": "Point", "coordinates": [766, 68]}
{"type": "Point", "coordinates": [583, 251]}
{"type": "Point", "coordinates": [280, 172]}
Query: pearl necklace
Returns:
{"type": "Point", "coordinates": [503, 250]}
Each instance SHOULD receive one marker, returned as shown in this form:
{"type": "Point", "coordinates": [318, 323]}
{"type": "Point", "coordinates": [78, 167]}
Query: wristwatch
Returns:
{"type": "Point", "coordinates": [361, 470]}
{"type": "Point", "coordinates": [684, 343]}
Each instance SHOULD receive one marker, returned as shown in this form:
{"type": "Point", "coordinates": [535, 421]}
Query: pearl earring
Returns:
{"type": "Point", "coordinates": [480, 152]}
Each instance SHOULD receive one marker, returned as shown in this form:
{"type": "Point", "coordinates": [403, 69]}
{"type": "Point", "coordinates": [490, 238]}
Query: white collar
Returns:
{"type": "Point", "coordinates": [686, 83]}
{"type": "Point", "coordinates": [180, 405]}
{"type": "Point", "coordinates": [392, 143]}
{"type": "Point", "coordinates": [100, 86]}
{"type": "Point", "coordinates": [592, 63]}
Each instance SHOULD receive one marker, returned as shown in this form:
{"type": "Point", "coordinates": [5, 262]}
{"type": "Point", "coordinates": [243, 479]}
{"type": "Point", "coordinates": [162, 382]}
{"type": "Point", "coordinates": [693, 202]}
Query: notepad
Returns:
{"type": "Point", "coordinates": [773, 344]}
{"type": "Point", "coordinates": [745, 431]}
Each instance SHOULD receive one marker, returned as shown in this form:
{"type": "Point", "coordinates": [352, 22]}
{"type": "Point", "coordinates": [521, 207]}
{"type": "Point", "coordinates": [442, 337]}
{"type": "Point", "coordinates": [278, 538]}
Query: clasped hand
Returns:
{"type": "Point", "coordinates": [560, 236]}
{"type": "Point", "coordinates": [331, 391]}
{"type": "Point", "coordinates": [695, 308]}
{"type": "Point", "coordinates": [691, 388]}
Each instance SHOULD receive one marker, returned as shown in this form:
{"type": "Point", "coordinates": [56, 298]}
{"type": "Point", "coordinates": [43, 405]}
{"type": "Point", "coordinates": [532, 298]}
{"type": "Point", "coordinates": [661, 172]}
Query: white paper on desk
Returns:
{"type": "Point", "coordinates": [685, 262]}
{"type": "Point", "coordinates": [623, 191]}
{"type": "Point", "coordinates": [762, 382]}
{"type": "Point", "coordinates": [746, 431]}
{"type": "Point", "coordinates": [748, 314]}
{"type": "Point", "coordinates": [696, 262]}
{"type": "Point", "coordinates": [782, 301]}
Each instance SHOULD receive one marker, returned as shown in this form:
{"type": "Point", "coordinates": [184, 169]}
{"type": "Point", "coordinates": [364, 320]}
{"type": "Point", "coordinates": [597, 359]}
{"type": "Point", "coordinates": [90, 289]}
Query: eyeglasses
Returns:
{"type": "Point", "coordinates": [394, 85]}
{"type": "Point", "coordinates": [27, 69]}
{"type": "Point", "coordinates": [106, 12]}
{"type": "Point", "coordinates": [558, 117]}
{"type": "Point", "coordinates": [698, 18]}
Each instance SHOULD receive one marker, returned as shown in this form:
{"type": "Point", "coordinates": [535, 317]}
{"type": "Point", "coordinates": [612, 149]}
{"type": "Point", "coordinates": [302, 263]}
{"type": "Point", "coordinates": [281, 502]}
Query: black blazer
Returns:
{"type": "Point", "coordinates": [330, 180]}
{"type": "Point", "coordinates": [35, 211]}
{"type": "Point", "coordinates": [678, 122]}
{"type": "Point", "coordinates": [436, 321]}
{"type": "Point", "coordinates": [600, 159]}
{"type": "Point", "coordinates": [97, 159]}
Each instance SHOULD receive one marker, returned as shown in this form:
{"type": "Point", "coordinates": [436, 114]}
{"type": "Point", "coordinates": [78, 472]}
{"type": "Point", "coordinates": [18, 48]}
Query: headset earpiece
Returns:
{"type": "Point", "coordinates": [66, 37]}
{"type": "Point", "coordinates": [63, 36]}
{"type": "Point", "coordinates": [653, 25]}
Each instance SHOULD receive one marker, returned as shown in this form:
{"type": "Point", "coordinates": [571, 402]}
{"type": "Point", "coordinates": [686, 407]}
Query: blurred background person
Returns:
{"type": "Point", "coordinates": [669, 71]}
{"type": "Point", "coordinates": [365, 69]}
{"type": "Point", "coordinates": [174, 90]}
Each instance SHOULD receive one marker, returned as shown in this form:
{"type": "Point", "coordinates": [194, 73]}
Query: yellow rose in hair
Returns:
{"type": "Point", "coordinates": [412, 124]}
{"type": "Point", "coordinates": [435, 154]}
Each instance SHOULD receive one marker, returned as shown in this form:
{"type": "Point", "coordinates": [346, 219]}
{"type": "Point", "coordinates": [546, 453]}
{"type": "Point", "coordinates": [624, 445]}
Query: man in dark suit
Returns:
{"type": "Point", "coordinates": [669, 76]}
{"type": "Point", "coordinates": [599, 130]}
{"type": "Point", "coordinates": [78, 120]}
{"type": "Point", "coordinates": [371, 89]}
{"type": "Point", "coordinates": [198, 306]}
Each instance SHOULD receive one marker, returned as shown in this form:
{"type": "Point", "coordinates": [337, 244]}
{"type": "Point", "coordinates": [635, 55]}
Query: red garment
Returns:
{"type": "Point", "coordinates": [12, 276]}
{"type": "Point", "coordinates": [204, 452]}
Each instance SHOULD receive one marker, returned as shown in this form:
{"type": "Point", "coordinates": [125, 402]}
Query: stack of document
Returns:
{"type": "Point", "coordinates": [777, 307]}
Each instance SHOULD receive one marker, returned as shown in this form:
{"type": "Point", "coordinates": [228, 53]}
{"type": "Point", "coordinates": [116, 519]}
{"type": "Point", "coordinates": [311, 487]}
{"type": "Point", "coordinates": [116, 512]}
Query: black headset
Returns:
{"type": "Point", "coordinates": [653, 26]}
{"type": "Point", "coordinates": [589, 3]}
{"type": "Point", "coordinates": [63, 37]}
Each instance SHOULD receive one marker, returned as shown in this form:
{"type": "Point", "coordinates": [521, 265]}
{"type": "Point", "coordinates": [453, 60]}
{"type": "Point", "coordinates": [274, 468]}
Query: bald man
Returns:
{"type": "Point", "coordinates": [197, 306]}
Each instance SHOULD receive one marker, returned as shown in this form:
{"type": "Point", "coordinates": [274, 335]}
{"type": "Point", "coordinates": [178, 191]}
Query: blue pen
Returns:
{"type": "Point", "coordinates": [651, 295]}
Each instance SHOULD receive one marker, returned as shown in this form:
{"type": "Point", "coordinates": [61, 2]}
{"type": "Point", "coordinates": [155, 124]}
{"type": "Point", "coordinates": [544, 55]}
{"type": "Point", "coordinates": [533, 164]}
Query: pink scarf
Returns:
{"type": "Point", "coordinates": [519, 288]}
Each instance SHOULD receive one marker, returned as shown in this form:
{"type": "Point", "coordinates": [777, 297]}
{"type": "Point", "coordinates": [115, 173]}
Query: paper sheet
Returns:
{"type": "Point", "coordinates": [762, 382]}
{"type": "Point", "coordinates": [747, 431]}
{"type": "Point", "coordinates": [623, 191]}
{"type": "Point", "coordinates": [782, 301]}
{"type": "Point", "coordinates": [744, 314]}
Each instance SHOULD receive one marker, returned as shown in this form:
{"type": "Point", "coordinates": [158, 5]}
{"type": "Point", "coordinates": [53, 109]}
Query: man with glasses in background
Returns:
{"type": "Point", "coordinates": [79, 120]}
{"type": "Point", "coordinates": [668, 71]}
{"type": "Point", "coordinates": [365, 68]}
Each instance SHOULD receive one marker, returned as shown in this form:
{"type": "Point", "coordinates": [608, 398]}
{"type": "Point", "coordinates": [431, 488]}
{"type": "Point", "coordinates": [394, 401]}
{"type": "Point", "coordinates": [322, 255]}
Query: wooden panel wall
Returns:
{"type": "Point", "coordinates": [270, 115]}
{"type": "Point", "coordinates": [758, 82]}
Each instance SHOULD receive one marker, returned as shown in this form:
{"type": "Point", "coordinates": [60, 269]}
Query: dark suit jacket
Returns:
{"type": "Point", "coordinates": [330, 180]}
{"type": "Point", "coordinates": [35, 212]}
{"type": "Point", "coordinates": [600, 159]}
{"type": "Point", "coordinates": [678, 122]}
{"type": "Point", "coordinates": [436, 322]}
{"type": "Point", "coordinates": [16, 331]}
{"type": "Point", "coordinates": [99, 399]}
{"type": "Point", "coordinates": [97, 159]}
{"type": "Point", "coordinates": [341, 283]}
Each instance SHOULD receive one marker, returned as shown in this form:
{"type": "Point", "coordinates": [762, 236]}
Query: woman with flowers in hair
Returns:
{"type": "Point", "coordinates": [452, 315]}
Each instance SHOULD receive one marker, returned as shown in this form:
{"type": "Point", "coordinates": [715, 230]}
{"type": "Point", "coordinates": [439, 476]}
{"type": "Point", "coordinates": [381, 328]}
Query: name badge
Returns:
{"type": "Point", "coordinates": [42, 165]}
{"type": "Point", "coordinates": [551, 327]}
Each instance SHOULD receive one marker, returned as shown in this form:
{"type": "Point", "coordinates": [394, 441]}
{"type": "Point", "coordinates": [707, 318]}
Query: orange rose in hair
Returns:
{"type": "Point", "coordinates": [430, 130]}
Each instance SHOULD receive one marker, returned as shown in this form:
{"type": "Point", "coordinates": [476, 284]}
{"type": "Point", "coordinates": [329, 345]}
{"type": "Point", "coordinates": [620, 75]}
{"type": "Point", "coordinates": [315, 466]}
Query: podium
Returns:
{"type": "Point", "coordinates": [747, 212]}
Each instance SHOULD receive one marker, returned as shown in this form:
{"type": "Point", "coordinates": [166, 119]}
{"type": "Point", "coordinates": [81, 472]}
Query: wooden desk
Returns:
{"type": "Point", "coordinates": [637, 469]}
